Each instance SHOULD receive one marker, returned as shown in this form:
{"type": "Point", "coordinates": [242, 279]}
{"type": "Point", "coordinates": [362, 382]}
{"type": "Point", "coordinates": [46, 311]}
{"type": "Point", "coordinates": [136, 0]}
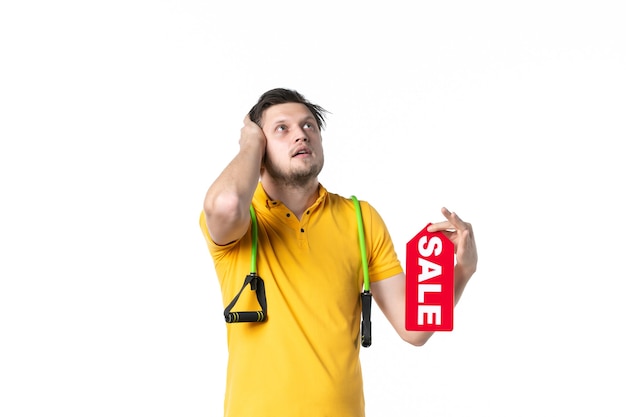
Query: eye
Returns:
{"type": "Point", "coordinates": [309, 125]}
{"type": "Point", "coordinates": [281, 128]}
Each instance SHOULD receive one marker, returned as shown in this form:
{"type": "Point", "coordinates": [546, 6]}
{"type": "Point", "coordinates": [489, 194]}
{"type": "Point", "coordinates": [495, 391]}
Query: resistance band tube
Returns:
{"type": "Point", "coordinates": [366, 296]}
{"type": "Point", "coordinates": [255, 238]}
{"type": "Point", "coordinates": [359, 216]}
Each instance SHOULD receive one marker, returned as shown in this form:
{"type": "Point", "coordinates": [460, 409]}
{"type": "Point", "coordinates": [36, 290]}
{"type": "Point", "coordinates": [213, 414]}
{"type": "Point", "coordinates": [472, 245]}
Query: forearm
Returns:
{"type": "Point", "coordinates": [235, 186]}
{"type": "Point", "coordinates": [227, 202]}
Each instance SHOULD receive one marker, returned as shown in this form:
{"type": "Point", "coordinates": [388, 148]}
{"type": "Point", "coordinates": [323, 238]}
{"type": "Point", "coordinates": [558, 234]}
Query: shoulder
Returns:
{"type": "Point", "coordinates": [351, 206]}
{"type": "Point", "coordinates": [349, 203]}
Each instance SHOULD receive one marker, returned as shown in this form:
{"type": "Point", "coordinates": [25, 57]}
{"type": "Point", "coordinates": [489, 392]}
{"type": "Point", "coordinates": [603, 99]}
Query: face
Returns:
{"type": "Point", "coordinates": [294, 153]}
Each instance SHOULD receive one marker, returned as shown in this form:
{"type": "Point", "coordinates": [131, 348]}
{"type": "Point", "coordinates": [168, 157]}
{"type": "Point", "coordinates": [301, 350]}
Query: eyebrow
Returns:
{"type": "Point", "coordinates": [306, 119]}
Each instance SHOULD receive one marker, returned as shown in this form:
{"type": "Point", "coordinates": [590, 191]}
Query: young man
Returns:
{"type": "Point", "coordinates": [303, 360]}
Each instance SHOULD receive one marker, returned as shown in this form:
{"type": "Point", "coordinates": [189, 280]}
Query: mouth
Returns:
{"type": "Point", "coordinates": [301, 152]}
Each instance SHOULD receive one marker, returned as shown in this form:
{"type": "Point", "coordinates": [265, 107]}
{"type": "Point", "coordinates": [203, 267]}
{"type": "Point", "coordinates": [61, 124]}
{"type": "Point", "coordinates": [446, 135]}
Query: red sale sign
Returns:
{"type": "Point", "coordinates": [429, 282]}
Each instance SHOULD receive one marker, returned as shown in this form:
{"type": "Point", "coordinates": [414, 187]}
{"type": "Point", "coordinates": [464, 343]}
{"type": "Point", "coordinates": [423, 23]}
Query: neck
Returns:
{"type": "Point", "coordinates": [296, 198]}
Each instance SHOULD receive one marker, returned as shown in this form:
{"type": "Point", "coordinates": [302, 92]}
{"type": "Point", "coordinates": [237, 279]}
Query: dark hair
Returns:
{"type": "Point", "coordinates": [281, 96]}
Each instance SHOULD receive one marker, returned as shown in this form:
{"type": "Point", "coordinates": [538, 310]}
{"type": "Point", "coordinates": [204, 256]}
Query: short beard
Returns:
{"type": "Point", "coordinates": [293, 179]}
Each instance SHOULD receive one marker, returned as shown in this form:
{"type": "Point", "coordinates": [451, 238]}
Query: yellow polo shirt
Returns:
{"type": "Point", "coordinates": [304, 360]}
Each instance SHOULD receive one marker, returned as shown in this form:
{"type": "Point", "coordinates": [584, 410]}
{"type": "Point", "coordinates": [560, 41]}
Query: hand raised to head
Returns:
{"type": "Point", "coordinates": [251, 134]}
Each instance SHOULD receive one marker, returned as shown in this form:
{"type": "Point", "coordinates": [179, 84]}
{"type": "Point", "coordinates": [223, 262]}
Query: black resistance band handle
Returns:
{"type": "Point", "coordinates": [256, 284]}
{"type": "Point", "coordinates": [244, 317]}
{"type": "Point", "coordinates": [366, 324]}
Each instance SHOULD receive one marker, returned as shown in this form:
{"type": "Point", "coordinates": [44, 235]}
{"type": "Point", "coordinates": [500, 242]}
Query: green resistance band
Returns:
{"type": "Point", "coordinates": [255, 240]}
{"type": "Point", "coordinates": [359, 216]}
{"type": "Point", "coordinates": [256, 284]}
{"type": "Point", "coordinates": [366, 296]}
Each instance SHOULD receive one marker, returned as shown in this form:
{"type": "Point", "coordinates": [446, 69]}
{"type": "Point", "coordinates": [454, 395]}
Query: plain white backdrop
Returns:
{"type": "Point", "coordinates": [116, 116]}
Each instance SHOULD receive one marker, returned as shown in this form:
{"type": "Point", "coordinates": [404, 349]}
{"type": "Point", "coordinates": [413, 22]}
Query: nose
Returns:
{"type": "Point", "coordinates": [301, 135]}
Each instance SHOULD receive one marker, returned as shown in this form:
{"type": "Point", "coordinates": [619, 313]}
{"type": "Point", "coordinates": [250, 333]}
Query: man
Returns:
{"type": "Point", "coordinates": [303, 360]}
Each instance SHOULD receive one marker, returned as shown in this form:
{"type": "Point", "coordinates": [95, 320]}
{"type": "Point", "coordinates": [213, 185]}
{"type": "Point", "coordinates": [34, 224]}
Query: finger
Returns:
{"type": "Point", "coordinates": [439, 226]}
{"type": "Point", "coordinates": [454, 219]}
{"type": "Point", "coordinates": [248, 121]}
{"type": "Point", "coordinates": [443, 226]}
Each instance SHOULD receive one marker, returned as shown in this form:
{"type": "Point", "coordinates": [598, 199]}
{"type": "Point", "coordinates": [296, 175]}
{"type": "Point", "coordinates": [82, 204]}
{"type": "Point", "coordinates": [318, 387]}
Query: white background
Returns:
{"type": "Point", "coordinates": [116, 116]}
